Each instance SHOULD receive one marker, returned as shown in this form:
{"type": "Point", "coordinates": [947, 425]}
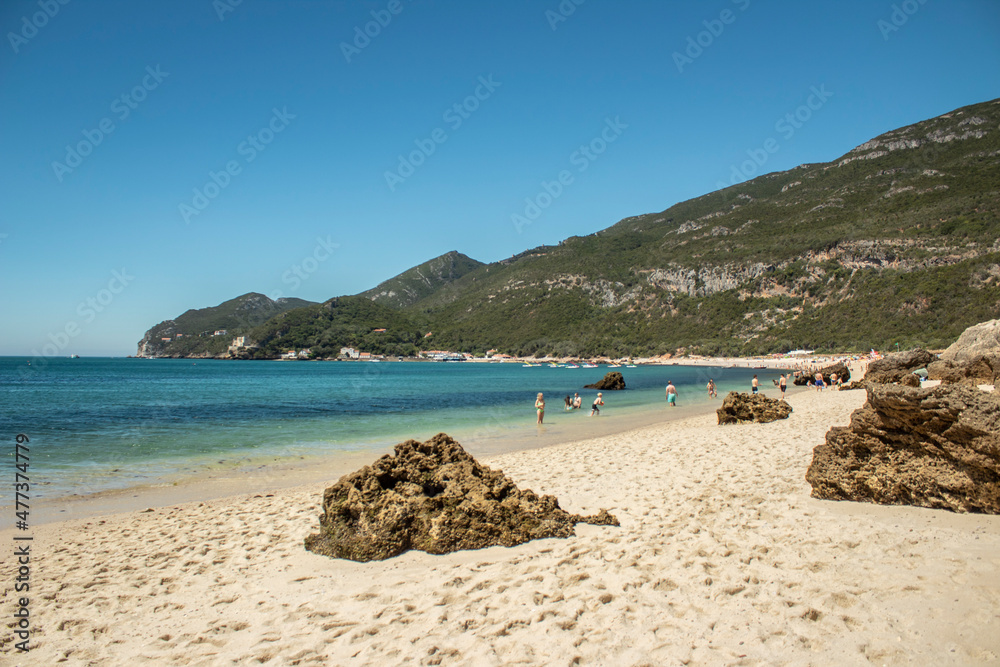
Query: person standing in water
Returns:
{"type": "Point", "coordinates": [782, 385]}
{"type": "Point", "coordinates": [595, 408]}
{"type": "Point", "coordinates": [711, 389]}
{"type": "Point", "coordinates": [540, 407]}
{"type": "Point", "coordinates": [671, 394]}
{"type": "Point", "coordinates": [754, 385]}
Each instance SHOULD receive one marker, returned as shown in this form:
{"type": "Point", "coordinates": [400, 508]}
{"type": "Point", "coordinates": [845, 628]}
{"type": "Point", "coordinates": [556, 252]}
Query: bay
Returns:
{"type": "Point", "coordinates": [99, 424]}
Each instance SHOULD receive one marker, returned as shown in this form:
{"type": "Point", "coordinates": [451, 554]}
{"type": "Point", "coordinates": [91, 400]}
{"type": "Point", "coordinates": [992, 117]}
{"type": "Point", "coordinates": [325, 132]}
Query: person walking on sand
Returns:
{"type": "Point", "coordinates": [782, 385]}
{"type": "Point", "coordinates": [540, 407]}
{"type": "Point", "coordinates": [671, 394]}
{"type": "Point", "coordinates": [754, 385]}
{"type": "Point", "coordinates": [577, 401]}
{"type": "Point", "coordinates": [711, 388]}
{"type": "Point", "coordinates": [595, 408]}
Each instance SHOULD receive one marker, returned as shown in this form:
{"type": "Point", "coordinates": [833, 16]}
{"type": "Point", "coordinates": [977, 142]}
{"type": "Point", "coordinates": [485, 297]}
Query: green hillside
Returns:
{"type": "Point", "coordinates": [418, 283]}
{"type": "Point", "coordinates": [192, 332]}
{"type": "Point", "coordinates": [350, 321]}
{"type": "Point", "coordinates": [894, 242]}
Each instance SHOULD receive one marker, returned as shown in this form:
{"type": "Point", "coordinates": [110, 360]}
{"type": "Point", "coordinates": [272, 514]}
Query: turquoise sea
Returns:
{"type": "Point", "coordinates": [98, 424]}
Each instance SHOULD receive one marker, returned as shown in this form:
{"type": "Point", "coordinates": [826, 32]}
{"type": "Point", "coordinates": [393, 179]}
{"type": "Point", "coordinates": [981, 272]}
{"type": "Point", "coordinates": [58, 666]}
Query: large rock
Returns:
{"type": "Point", "coordinates": [840, 368]}
{"type": "Point", "coordinates": [613, 381]}
{"type": "Point", "coordinates": [979, 370]}
{"type": "Point", "coordinates": [896, 366]}
{"type": "Point", "coordinates": [937, 447]}
{"type": "Point", "coordinates": [433, 496]}
{"type": "Point", "coordinates": [978, 340]}
{"type": "Point", "coordinates": [738, 408]}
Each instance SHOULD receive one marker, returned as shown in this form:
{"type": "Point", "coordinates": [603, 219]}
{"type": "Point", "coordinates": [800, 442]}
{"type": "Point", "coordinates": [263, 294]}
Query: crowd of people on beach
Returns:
{"type": "Point", "coordinates": [819, 383]}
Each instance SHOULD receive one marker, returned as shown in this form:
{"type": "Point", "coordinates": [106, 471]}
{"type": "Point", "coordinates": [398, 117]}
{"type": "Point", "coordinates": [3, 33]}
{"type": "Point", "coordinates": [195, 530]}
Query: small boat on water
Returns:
{"type": "Point", "coordinates": [571, 366]}
{"type": "Point", "coordinates": [589, 365]}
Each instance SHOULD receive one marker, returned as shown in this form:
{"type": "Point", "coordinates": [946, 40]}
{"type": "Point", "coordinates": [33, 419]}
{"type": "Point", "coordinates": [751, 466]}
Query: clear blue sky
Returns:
{"type": "Point", "coordinates": [204, 81]}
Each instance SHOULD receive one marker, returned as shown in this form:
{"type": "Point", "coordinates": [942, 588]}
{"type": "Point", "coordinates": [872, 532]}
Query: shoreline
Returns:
{"type": "Point", "coordinates": [262, 478]}
{"type": "Point", "coordinates": [722, 557]}
{"type": "Point", "coordinates": [267, 474]}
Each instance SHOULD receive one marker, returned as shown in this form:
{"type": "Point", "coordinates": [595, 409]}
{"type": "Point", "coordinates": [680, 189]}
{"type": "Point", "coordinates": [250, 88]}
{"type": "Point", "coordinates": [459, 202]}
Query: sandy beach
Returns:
{"type": "Point", "coordinates": [721, 558]}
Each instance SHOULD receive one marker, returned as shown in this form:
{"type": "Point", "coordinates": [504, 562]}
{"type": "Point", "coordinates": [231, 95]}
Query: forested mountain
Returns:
{"type": "Point", "coordinates": [894, 242]}
{"type": "Point", "coordinates": [192, 334]}
{"type": "Point", "coordinates": [409, 288]}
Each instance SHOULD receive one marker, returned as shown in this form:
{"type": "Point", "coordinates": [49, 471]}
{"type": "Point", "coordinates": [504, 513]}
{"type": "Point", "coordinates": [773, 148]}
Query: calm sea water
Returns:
{"type": "Point", "coordinates": [98, 424]}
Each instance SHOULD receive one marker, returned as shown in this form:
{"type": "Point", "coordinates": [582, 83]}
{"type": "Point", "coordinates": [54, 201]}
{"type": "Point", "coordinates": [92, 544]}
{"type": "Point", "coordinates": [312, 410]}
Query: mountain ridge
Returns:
{"type": "Point", "coordinates": [905, 224]}
{"type": "Point", "coordinates": [193, 332]}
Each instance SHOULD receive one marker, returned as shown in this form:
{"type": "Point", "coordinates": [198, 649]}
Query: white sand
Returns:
{"type": "Point", "coordinates": [722, 558]}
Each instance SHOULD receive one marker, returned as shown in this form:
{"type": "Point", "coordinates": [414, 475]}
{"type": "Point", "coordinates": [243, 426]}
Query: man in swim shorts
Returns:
{"type": "Point", "coordinates": [671, 394]}
{"type": "Point", "coordinates": [597, 402]}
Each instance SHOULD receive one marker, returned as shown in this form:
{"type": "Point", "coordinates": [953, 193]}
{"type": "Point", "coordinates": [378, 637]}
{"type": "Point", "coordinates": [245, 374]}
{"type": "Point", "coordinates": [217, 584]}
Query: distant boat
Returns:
{"type": "Point", "coordinates": [614, 365]}
{"type": "Point", "coordinates": [74, 356]}
{"type": "Point", "coordinates": [530, 365]}
{"type": "Point", "coordinates": [590, 365]}
{"type": "Point", "coordinates": [571, 366]}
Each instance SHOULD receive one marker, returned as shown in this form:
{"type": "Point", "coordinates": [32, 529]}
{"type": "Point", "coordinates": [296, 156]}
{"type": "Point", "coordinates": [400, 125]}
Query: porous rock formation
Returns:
{"type": "Point", "coordinates": [972, 359]}
{"type": "Point", "coordinates": [434, 496]}
{"type": "Point", "coordinates": [840, 368]}
{"type": "Point", "coordinates": [613, 381]}
{"type": "Point", "coordinates": [894, 367]}
{"type": "Point", "coordinates": [738, 408]}
{"type": "Point", "coordinates": [980, 370]}
{"type": "Point", "coordinates": [979, 340]}
{"type": "Point", "coordinates": [937, 448]}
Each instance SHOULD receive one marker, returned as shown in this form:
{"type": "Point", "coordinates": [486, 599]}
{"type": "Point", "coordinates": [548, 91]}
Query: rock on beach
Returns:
{"type": "Point", "coordinates": [435, 497]}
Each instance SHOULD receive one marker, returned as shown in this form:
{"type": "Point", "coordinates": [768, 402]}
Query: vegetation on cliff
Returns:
{"type": "Point", "coordinates": [894, 242]}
